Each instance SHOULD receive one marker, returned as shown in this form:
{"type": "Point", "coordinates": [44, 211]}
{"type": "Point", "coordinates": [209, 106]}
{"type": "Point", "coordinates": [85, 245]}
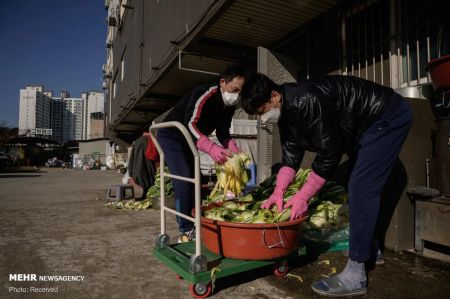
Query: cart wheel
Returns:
{"type": "Point", "coordinates": [281, 269]}
{"type": "Point", "coordinates": [200, 290]}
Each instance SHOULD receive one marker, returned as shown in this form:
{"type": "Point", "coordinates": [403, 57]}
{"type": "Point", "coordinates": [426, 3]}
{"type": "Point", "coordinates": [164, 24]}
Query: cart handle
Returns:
{"type": "Point", "coordinates": [195, 180]}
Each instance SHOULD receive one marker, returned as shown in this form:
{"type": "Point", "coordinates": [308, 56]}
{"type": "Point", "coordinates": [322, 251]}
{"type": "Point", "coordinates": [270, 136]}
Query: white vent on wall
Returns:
{"type": "Point", "coordinates": [243, 127]}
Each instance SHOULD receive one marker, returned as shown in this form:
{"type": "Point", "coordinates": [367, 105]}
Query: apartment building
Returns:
{"type": "Point", "coordinates": [34, 110]}
{"type": "Point", "coordinates": [59, 118]}
{"type": "Point", "coordinates": [72, 119]}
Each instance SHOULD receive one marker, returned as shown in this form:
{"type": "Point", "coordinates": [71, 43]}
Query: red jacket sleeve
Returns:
{"type": "Point", "coordinates": [151, 153]}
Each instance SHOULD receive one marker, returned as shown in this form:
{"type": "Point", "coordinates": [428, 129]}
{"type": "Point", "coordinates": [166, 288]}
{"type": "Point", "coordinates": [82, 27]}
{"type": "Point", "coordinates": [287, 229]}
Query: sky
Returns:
{"type": "Point", "coordinates": [59, 44]}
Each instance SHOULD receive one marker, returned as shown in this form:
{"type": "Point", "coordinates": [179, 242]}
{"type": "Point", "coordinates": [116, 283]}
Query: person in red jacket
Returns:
{"type": "Point", "coordinates": [203, 110]}
{"type": "Point", "coordinates": [143, 162]}
{"type": "Point", "coordinates": [151, 153]}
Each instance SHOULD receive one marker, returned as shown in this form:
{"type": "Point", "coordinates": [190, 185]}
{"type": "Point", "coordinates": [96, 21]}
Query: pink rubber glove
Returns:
{"type": "Point", "coordinates": [299, 202]}
{"type": "Point", "coordinates": [231, 145]}
{"type": "Point", "coordinates": [217, 153]}
{"type": "Point", "coordinates": [284, 179]}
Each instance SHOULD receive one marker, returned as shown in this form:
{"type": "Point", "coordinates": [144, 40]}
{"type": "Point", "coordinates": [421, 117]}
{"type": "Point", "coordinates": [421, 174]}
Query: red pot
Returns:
{"type": "Point", "coordinates": [439, 69]}
{"type": "Point", "coordinates": [248, 241]}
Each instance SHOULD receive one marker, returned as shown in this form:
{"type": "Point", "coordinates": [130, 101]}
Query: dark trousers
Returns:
{"type": "Point", "coordinates": [180, 161]}
{"type": "Point", "coordinates": [379, 147]}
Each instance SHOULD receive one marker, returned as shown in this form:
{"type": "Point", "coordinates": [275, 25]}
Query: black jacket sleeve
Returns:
{"type": "Point", "coordinates": [292, 151]}
{"type": "Point", "coordinates": [223, 127]}
{"type": "Point", "coordinates": [194, 116]}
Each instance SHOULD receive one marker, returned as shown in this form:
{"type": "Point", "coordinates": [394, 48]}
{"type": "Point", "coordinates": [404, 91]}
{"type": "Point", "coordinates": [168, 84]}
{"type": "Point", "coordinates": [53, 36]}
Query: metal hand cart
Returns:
{"type": "Point", "coordinates": [193, 262]}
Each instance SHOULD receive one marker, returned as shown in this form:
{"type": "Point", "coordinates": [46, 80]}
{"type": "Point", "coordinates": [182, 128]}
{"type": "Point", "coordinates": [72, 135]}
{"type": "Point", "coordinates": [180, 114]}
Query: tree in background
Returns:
{"type": "Point", "coordinates": [6, 132]}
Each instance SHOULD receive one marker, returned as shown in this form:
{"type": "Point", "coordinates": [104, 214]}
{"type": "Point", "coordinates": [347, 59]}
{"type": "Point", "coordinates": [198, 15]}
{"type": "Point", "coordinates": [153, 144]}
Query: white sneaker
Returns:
{"type": "Point", "coordinates": [187, 236]}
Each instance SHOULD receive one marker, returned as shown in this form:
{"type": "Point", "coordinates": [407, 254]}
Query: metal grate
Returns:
{"type": "Point", "coordinates": [391, 42]}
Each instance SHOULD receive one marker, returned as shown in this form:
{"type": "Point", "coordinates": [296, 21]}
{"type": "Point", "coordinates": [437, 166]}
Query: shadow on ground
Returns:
{"type": "Point", "coordinates": [8, 176]}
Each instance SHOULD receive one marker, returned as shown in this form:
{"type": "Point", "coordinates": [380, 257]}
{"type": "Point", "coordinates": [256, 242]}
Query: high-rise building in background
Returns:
{"type": "Point", "coordinates": [60, 118]}
{"type": "Point", "coordinates": [35, 110]}
{"type": "Point", "coordinates": [72, 119]}
{"type": "Point", "coordinates": [60, 112]}
{"type": "Point", "coordinates": [48, 93]}
{"type": "Point", "coordinates": [57, 120]}
{"type": "Point", "coordinates": [64, 94]}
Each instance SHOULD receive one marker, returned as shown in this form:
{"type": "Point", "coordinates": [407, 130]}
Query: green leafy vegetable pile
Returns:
{"type": "Point", "coordinates": [327, 209]}
{"type": "Point", "coordinates": [155, 190]}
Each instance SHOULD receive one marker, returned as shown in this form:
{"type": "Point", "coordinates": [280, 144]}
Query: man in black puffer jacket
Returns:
{"type": "Point", "coordinates": [332, 116]}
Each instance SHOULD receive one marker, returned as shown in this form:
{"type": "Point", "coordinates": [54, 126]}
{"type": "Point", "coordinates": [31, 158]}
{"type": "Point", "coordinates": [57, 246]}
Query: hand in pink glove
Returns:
{"type": "Point", "coordinates": [299, 202]}
{"type": "Point", "coordinates": [231, 145]}
{"type": "Point", "coordinates": [284, 178]}
{"type": "Point", "coordinates": [299, 206]}
{"type": "Point", "coordinates": [217, 153]}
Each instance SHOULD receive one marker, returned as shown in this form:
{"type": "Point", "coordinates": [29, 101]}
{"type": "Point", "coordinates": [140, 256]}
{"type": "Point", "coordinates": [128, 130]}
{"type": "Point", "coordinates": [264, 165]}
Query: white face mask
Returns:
{"type": "Point", "coordinates": [229, 98]}
{"type": "Point", "coordinates": [271, 116]}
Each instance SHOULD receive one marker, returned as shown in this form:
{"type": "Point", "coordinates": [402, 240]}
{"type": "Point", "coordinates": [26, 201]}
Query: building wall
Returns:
{"type": "Point", "coordinates": [72, 119]}
{"type": "Point", "coordinates": [64, 94]}
{"type": "Point", "coordinates": [93, 102]}
{"type": "Point", "coordinates": [97, 128]}
{"type": "Point", "coordinates": [135, 54]}
{"type": "Point", "coordinates": [57, 119]}
{"type": "Point", "coordinates": [27, 111]}
{"type": "Point", "coordinates": [88, 147]}
{"type": "Point", "coordinates": [84, 97]}
{"type": "Point", "coordinates": [382, 41]}
{"type": "Point", "coordinates": [34, 109]}
{"type": "Point", "coordinates": [43, 106]}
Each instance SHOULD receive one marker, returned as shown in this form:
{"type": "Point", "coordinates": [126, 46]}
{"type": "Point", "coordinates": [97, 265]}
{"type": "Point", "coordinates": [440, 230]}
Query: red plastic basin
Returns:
{"type": "Point", "coordinates": [440, 72]}
{"type": "Point", "coordinates": [250, 241]}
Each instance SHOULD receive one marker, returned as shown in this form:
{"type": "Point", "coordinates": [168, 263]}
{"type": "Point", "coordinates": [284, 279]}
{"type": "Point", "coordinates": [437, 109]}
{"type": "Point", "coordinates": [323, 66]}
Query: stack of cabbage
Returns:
{"type": "Point", "coordinates": [131, 204]}
{"type": "Point", "coordinates": [231, 177]}
{"type": "Point", "coordinates": [155, 190]}
{"type": "Point", "coordinates": [244, 212]}
{"type": "Point", "coordinates": [327, 209]}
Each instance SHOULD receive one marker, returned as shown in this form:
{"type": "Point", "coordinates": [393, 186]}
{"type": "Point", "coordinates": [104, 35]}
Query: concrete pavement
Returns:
{"type": "Point", "coordinates": [53, 225]}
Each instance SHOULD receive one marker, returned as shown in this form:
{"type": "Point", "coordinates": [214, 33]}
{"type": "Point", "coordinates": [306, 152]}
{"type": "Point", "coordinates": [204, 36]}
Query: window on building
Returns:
{"type": "Point", "coordinates": [122, 65]}
{"type": "Point", "coordinates": [419, 27]}
{"type": "Point", "coordinates": [374, 29]}
{"type": "Point", "coordinates": [366, 39]}
{"type": "Point", "coordinates": [115, 87]}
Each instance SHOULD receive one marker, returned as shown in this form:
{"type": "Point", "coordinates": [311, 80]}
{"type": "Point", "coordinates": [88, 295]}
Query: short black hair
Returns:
{"type": "Point", "coordinates": [236, 70]}
{"type": "Point", "coordinates": [256, 92]}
